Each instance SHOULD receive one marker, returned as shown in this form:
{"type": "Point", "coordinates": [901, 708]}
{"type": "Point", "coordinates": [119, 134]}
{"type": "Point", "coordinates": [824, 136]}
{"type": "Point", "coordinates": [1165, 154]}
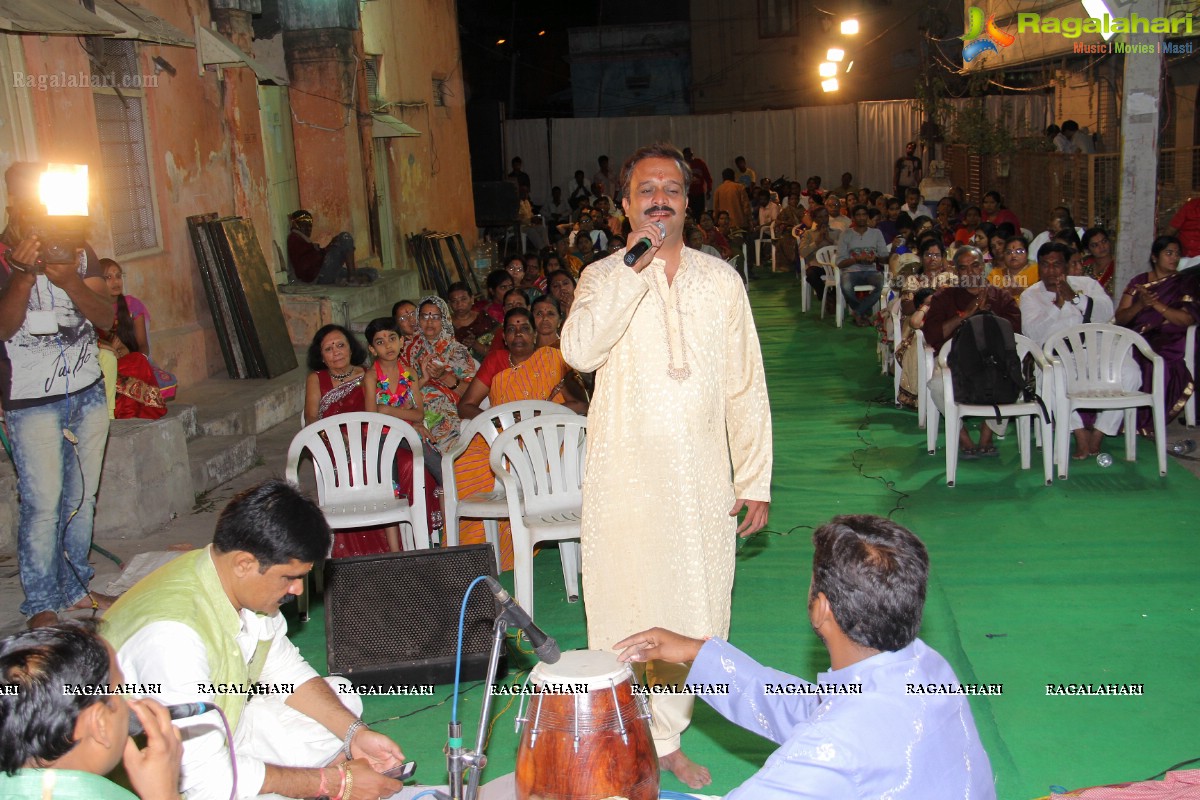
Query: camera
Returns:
{"type": "Point", "coordinates": [60, 238]}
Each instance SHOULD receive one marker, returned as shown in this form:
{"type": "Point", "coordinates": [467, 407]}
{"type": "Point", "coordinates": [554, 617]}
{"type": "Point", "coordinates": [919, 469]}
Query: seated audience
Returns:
{"type": "Point", "coordinates": [333, 263]}
{"type": "Point", "coordinates": [949, 308]}
{"type": "Point", "coordinates": [562, 289]}
{"type": "Point", "coordinates": [391, 387]}
{"type": "Point", "coordinates": [1060, 220]}
{"type": "Point", "coordinates": [570, 262]}
{"type": "Point", "coordinates": [209, 619]}
{"type": "Point", "coordinates": [1098, 260]}
{"type": "Point", "coordinates": [405, 314]}
{"type": "Point", "coordinates": [995, 212]}
{"type": "Point", "coordinates": [912, 380]}
{"type": "Point", "coordinates": [714, 237]}
{"type": "Point", "coordinates": [1058, 302]}
{"type": "Point", "coordinates": [473, 328]}
{"type": "Point", "coordinates": [124, 350]}
{"type": "Point", "coordinates": [694, 237]}
{"type": "Point", "coordinates": [1186, 225]}
{"type": "Point", "coordinates": [1160, 305]}
{"type": "Point", "coordinates": [525, 372]}
{"type": "Point", "coordinates": [913, 205]}
{"type": "Point", "coordinates": [335, 386]}
{"type": "Point", "coordinates": [769, 212]}
{"type": "Point", "coordinates": [499, 283]}
{"type": "Point", "coordinates": [860, 250]}
{"type": "Point", "coordinates": [966, 231]}
{"type": "Point", "coordinates": [445, 368]}
{"type": "Point", "coordinates": [534, 282]}
{"type": "Point", "coordinates": [55, 744]}
{"type": "Point", "coordinates": [1016, 273]}
{"type": "Point", "coordinates": [547, 321]}
{"type": "Point", "coordinates": [837, 220]}
{"type": "Point", "coordinates": [982, 239]}
{"type": "Point", "coordinates": [880, 738]}
{"type": "Point", "coordinates": [808, 242]}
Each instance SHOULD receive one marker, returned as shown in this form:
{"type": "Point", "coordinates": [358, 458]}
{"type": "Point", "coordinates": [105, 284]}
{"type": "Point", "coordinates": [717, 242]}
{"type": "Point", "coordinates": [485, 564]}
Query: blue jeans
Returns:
{"type": "Point", "coordinates": [53, 478]}
{"type": "Point", "coordinates": [863, 278]}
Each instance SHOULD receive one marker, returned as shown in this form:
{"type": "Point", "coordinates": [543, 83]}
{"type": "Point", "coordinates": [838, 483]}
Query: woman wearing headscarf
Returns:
{"type": "Point", "coordinates": [444, 365]}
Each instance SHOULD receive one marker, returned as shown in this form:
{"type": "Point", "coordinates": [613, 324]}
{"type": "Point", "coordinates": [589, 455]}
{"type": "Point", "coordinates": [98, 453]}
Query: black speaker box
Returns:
{"type": "Point", "coordinates": [392, 619]}
{"type": "Point", "coordinates": [495, 203]}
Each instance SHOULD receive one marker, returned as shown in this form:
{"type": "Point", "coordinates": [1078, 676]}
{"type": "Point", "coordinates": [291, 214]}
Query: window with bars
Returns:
{"type": "Point", "coordinates": [777, 18]}
{"type": "Point", "coordinates": [120, 120]}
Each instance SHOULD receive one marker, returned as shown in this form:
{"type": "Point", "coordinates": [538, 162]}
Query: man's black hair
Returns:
{"type": "Point", "coordinates": [358, 353]}
{"type": "Point", "coordinates": [873, 571]}
{"type": "Point", "coordinates": [1056, 247]}
{"type": "Point", "coordinates": [857, 207]}
{"type": "Point", "coordinates": [37, 724]}
{"type": "Point", "coordinates": [275, 523]}
{"type": "Point", "coordinates": [728, 173]}
{"type": "Point", "coordinates": [497, 277]}
{"type": "Point", "coordinates": [658, 150]}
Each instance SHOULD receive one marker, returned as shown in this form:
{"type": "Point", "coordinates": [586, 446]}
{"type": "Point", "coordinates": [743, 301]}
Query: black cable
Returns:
{"type": "Point", "coordinates": [422, 710]}
{"type": "Point", "coordinates": [867, 445]}
{"type": "Point", "coordinates": [1173, 767]}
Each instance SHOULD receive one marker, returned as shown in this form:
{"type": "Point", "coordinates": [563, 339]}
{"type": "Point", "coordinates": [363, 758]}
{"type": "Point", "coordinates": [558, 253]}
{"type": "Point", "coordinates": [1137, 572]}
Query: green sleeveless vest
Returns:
{"type": "Point", "coordinates": [188, 591]}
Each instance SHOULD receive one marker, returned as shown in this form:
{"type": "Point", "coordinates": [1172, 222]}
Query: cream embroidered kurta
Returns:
{"type": "Point", "coordinates": [680, 402]}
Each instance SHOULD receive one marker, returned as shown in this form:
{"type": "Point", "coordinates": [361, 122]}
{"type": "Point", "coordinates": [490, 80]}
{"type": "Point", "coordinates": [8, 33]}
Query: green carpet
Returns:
{"type": "Point", "coordinates": [1091, 580]}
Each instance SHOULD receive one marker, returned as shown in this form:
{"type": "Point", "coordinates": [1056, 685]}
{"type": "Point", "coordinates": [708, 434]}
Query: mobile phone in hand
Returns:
{"type": "Point", "coordinates": [402, 772]}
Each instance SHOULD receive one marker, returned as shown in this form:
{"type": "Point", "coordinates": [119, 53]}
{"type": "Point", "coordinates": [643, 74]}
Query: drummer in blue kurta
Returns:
{"type": "Point", "coordinates": [889, 719]}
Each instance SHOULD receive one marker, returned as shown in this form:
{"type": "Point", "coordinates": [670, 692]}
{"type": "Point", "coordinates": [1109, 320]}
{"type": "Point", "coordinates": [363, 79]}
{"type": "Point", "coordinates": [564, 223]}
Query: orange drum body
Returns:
{"type": "Point", "coordinates": [585, 733]}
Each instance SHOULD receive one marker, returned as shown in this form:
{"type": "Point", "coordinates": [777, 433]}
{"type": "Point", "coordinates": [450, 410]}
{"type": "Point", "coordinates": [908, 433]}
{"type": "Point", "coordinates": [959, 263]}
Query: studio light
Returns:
{"type": "Point", "coordinates": [830, 85]}
{"type": "Point", "coordinates": [849, 27]}
{"type": "Point", "coordinates": [63, 189]}
{"type": "Point", "coordinates": [835, 54]}
{"type": "Point", "coordinates": [827, 69]}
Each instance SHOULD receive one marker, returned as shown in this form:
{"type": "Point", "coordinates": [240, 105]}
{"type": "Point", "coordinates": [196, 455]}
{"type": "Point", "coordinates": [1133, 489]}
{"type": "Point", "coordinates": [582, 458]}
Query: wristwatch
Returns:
{"type": "Point", "coordinates": [1075, 300]}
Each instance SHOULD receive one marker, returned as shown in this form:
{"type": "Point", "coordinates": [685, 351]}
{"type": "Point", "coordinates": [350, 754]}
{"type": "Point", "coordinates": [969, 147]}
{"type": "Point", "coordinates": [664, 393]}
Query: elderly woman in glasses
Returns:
{"type": "Point", "coordinates": [1016, 272]}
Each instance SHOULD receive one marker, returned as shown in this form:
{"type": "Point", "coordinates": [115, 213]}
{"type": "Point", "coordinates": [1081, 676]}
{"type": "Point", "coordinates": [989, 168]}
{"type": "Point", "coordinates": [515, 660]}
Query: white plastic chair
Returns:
{"type": "Point", "coordinates": [353, 461]}
{"type": "Point", "coordinates": [1189, 358]}
{"type": "Point", "coordinates": [1088, 364]}
{"type": "Point", "coordinates": [826, 257]}
{"type": "Point", "coordinates": [1022, 411]}
{"type": "Point", "coordinates": [765, 234]}
{"type": "Point", "coordinates": [543, 480]}
{"type": "Point", "coordinates": [492, 505]}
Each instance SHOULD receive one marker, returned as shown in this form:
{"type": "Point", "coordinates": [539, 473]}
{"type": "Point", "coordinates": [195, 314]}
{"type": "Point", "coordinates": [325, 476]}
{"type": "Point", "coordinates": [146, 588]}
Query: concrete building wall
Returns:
{"type": "Point", "coordinates": [621, 71]}
{"type": "Point", "coordinates": [204, 154]}
{"type": "Point", "coordinates": [430, 175]}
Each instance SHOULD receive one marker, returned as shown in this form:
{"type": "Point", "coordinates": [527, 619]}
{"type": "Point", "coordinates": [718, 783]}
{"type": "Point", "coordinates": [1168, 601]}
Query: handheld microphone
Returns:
{"type": "Point", "coordinates": [545, 646]}
{"type": "Point", "coordinates": [639, 250]}
{"type": "Point", "coordinates": [177, 712]}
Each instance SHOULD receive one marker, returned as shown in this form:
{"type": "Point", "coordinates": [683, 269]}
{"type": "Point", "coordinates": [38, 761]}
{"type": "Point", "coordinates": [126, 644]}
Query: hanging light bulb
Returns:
{"type": "Point", "coordinates": [835, 54]}
{"type": "Point", "coordinates": [827, 69]}
{"type": "Point", "coordinates": [830, 85]}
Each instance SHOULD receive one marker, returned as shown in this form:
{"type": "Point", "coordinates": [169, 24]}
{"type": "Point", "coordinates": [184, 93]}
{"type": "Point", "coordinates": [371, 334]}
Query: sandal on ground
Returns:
{"type": "Point", "coordinates": [1084, 457]}
{"type": "Point", "coordinates": [968, 454]}
{"type": "Point", "coordinates": [988, 452]}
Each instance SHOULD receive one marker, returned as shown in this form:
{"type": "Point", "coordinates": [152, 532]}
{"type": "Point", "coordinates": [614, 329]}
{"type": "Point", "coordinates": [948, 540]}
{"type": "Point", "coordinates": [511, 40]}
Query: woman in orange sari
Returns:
{"type": "Point", "coordinates": [523, 372]}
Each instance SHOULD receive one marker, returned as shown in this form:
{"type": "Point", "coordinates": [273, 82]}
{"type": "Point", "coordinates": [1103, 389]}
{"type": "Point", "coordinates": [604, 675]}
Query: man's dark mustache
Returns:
{"type": "Point", "coordinates": [662, 209]}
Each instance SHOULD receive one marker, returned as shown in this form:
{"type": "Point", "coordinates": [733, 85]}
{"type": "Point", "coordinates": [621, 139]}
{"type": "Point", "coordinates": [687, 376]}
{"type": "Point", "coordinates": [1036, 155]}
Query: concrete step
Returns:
{"type": "Point", "coordinates": [146, 480]}
{"type": "Point", "coordinates": [307, 307]}
{"type": "Point", "coordinates": [217, 459]}
{"type": "Point", "coordinates": [226, 407]}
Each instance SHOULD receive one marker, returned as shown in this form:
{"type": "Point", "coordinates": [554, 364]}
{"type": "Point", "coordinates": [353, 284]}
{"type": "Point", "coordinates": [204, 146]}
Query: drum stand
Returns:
{"type": "Point", "coordinates": [467, 766]}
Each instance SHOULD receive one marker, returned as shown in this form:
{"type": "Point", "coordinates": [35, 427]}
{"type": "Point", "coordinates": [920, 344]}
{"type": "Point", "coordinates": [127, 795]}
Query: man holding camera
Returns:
{"type": "Point", "coordinates": [51, 296]}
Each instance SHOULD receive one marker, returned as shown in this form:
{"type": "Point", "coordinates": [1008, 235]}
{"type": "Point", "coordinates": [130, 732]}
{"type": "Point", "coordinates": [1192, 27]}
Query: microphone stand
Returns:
{"type": "Point", "coordinates": [466, 767]}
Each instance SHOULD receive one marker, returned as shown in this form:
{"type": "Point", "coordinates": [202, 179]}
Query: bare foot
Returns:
{"type": "Point", "coordinates": [42, 619]}
{"type": "Point", "coordinates": [692, 774]}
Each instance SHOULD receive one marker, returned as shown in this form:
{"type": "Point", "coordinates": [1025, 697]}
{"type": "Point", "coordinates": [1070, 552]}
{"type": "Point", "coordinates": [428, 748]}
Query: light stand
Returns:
{"type": "Point", "coordinates": [466, 767]}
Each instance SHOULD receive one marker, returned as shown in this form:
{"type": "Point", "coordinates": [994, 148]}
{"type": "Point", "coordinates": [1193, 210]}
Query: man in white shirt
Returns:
{"type": "Point", "coordinates": [837, 220]}
{"type": "Point", "coordinates": [913, 205]}
{"type": "Point", "coordinates": [1072, 140]}
{"type": "Point", "coordinates": [206, 628]}
{"type": "Point", "coordinates": [1058, 302]}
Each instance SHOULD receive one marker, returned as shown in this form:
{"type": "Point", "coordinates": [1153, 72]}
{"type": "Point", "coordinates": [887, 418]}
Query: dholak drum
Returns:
{"type": "Point", "coordinates": [585, 733]}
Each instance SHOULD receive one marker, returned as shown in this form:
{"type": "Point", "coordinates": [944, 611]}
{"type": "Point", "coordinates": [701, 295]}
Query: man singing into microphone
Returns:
{"type": "Point", "coordinates": [680, 396]}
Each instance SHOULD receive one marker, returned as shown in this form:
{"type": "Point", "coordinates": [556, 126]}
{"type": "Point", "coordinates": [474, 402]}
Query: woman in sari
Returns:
{"type": "Point", "coordinates": [917, 292]}
{"type": "Point", "coordinates": [445, 368]}
{"type": "Point", "coordinates": [472, 328]}
{"type": "Point", "coordinates": [524, 372]}
{"type": "Point", "coordinates": [562, 289]}
{"type": "Point", "coordinates": [129, 376]}
{"type": "Point", "coordinates": [335, 386]}
{"type": "Point", "coordinates": [1098, 260]}
{"type": "Point", "coordinates": [1160, 305]}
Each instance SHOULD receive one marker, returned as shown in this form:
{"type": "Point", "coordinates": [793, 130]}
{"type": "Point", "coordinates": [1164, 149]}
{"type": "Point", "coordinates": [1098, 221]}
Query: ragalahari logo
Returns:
{"type": "Point", "coordinates": [980, 37]}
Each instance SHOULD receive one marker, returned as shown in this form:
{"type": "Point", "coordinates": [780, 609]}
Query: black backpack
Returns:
{"type": "Point", "coordinates": [984, 365]}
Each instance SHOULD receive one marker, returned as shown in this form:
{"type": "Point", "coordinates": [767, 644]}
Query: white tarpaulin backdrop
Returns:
{"type": "Point", "coordinates": [864, 139]}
